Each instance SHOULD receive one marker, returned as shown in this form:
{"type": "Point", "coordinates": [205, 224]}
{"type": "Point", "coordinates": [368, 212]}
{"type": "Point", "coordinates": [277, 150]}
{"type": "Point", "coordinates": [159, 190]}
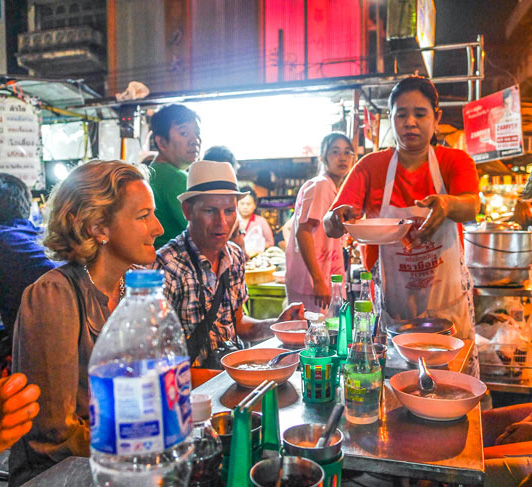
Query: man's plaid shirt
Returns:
{"type": "Point", "coordinates": [182, 287]}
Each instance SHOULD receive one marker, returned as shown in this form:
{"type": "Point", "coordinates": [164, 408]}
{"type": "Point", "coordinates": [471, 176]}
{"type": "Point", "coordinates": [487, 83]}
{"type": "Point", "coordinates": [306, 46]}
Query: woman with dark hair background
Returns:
{"type": "Point", "coordinates": [252, 223]}
{"type": "Point", "coordinates": [311, 256]}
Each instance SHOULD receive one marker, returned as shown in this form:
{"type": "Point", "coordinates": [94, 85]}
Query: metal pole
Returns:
{"type": "Point", "coordinates": [305, 47]}
{"type": "Point", "coordinates": [470, 71]}
{"type": "Point", "coordinates": [480, 65]}
{"type": "Point", "coordinates": [280, 55]}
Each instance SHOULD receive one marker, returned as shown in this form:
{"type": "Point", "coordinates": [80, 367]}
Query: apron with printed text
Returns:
{"type": "Point", "coordinates": [425, 279]}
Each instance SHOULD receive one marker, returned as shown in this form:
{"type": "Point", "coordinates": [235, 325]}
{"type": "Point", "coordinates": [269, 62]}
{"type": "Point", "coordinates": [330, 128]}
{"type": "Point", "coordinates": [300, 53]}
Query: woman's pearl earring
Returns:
{"type": "Point", "coordinates": [104, 242]}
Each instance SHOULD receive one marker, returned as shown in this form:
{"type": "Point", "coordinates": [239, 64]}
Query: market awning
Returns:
{"type": "Point", "coordinates": [56, 96]}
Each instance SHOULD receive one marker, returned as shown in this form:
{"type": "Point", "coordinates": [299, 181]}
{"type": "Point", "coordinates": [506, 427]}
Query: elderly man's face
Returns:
{"type": "Point", "coordinates": [211, 218]}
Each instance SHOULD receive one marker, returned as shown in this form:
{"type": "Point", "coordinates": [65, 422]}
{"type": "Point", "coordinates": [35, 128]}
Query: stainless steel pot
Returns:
{"type": "Point", "coordinates": [498, 258]}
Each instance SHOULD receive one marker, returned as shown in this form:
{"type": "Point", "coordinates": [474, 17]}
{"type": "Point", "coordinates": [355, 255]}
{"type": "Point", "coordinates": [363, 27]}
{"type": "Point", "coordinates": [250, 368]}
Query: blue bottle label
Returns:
{"type": "Point", "coordinates": [141, 408]}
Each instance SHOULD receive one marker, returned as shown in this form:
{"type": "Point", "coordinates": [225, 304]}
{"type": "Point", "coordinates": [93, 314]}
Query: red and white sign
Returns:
{"type": "Point", "coordinates": [492, 126]}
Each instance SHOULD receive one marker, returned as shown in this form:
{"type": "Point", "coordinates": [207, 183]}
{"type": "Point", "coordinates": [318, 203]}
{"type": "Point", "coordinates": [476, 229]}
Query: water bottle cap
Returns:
{"type": "Point", "coordinates": [365, 276]}
{"type": "Point", "coordinates": [201, 407]}
{"type": "Point", "coordinates": [337, 278]}
{"type": "Point", "coordinates": [144, 278]}
{"type": "Point", "coordinates": [363, 306]}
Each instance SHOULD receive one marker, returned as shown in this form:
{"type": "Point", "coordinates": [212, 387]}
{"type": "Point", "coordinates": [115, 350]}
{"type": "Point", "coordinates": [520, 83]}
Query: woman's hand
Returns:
{"type": "Point", "coordinates": [516, 433]}
{"type": "Point", "coordinates": [295, 311]}
{"type": "Point", "coordinates": [460, 208]}
{"type": "Point", "coordinates": [334, 220]}
{"type": "Point", "coordinates": [322, 293]}
{"type": "Point", "coordinates": [18, 408]}
{"type": "Point", "coordinates": [439, 211]}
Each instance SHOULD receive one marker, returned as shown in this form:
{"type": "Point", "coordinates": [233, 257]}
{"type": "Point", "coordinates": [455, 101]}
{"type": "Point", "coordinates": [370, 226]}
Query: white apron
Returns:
{"type": "Point", "coordinates": [426, 279]}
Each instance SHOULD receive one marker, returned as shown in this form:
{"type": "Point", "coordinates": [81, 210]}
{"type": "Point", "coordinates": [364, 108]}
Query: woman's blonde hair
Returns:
{"type": "Point", "coordinates": [91, 194]}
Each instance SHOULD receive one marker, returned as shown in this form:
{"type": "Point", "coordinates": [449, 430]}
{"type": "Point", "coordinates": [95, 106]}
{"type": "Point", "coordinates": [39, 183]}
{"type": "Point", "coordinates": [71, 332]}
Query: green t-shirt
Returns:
{"type": "Point", "coordinates": [167, 183]}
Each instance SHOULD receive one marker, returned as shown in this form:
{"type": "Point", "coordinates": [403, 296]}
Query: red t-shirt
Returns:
{"type": "Point", "coordinates": [364, 186]}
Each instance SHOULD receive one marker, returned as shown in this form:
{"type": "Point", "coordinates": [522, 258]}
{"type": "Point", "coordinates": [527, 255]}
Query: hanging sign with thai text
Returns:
{"type": "Point", "coordinates": [20, 141]}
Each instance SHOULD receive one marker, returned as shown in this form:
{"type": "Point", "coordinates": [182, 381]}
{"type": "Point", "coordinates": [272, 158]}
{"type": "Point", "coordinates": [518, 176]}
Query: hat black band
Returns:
{"type": "Point", "coordinates": [214, 185]}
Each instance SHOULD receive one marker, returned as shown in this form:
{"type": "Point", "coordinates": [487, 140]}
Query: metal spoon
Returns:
{"type": "Point", "coordinates": [275, 360]}
{"type": "Point", "coordinates": [330, 427]}
{"type": "Point", "coordinates": [426, 380]}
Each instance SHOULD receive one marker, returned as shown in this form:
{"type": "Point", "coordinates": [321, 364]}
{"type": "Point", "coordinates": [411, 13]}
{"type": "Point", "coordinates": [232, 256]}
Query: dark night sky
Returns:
{"type": "Point", "coordinates": [462, 20]}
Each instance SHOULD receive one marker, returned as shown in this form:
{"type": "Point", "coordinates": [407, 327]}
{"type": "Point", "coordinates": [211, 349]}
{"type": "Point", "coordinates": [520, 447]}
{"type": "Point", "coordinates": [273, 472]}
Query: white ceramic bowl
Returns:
{"type": "Point", "coordinates": [253, 378]}
{"type": "Point", "coordinates": [438, 409]}
{"type": "Point", "coordinates": [291, 333]}
{"type": "Point", "coordinates": [432, 358]}
{"type": "Point", "coordinates": [378, 231]}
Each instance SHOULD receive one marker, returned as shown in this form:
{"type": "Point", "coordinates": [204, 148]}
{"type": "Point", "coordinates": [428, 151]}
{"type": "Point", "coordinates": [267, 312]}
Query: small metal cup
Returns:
{"type": "Point", "coordinates": [297, 440]}
{"type": "Point", "coordinates": [223, 424]}
{"type": "Point", "coordinates": [266, 472]}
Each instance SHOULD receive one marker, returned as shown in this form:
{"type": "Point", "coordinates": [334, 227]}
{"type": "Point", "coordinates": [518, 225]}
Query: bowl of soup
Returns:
{"type": "Point", "coordinates": [248, 368]}
{"type": "Point", "coordinates": [456, 394]}
{"type": "Point", "coordinates": [436, 349]}
{"type": "Point", "coordinates": [291, 333]}
{"type": "Point", "coordinates": [378, 231]}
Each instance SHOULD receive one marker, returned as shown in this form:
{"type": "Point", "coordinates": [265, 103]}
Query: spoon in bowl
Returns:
{"type": "Point", "coordinates": [275, 360]}
{"type": "Point", "coordinates": [427, 384]}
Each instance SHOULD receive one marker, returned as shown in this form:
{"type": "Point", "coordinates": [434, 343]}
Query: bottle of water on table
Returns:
{"type": "Point", "coordinates": [317, 339]}
{"type": "Point", "coordinates": [362, 371]}
{"type": "Point", "coordinates": [207, 457]}
{"type": "Point", "coordinates": [332, 318]}
{"type": "Point", "coordinates": [139, 375]}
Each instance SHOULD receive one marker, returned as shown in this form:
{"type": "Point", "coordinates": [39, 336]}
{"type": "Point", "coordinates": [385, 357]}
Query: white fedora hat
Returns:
{"type": "Point", "coordinates": [209, 177]}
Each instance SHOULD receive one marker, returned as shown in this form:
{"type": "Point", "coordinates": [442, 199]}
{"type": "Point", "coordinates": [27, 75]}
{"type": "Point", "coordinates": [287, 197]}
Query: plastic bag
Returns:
{"type": "Point", "coordinates": [254, 241]}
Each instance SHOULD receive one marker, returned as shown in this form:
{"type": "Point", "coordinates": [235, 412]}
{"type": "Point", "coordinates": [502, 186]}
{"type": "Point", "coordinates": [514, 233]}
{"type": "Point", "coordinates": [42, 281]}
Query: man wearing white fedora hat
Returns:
{"type": "Point", "coordinates": [205, 272]}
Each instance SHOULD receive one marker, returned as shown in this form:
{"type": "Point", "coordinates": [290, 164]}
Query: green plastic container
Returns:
{"type": "Point", "coordinates": [319, 376]}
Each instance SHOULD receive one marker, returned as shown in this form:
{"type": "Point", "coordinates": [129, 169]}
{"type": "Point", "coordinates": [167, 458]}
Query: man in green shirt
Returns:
{"type": "Point", "coordinates": [176, 131]}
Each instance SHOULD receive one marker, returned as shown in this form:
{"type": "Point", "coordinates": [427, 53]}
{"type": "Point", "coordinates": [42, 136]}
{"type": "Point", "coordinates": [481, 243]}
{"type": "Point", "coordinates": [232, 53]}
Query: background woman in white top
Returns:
{"type": "Point", "coordinates": [311, 256]}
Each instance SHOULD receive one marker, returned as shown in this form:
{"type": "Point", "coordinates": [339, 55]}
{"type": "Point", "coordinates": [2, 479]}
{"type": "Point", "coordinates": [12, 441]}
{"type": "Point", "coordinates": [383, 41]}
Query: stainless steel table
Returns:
{"type": "Point", "coordinates": [399, 444]}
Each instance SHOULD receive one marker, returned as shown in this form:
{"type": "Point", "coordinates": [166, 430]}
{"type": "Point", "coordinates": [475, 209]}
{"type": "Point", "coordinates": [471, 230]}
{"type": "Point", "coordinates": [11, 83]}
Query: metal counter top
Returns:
{"type": "Point", "coordinates": [399, 444]}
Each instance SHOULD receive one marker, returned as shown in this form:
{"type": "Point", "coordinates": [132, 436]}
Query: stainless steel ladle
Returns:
{"type": "Point", "coordinates": [427, 383]}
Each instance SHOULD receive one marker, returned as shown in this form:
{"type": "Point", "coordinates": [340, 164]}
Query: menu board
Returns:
{"type": "Point", "coordinates": [20, 142]}
{"type": "Point", "coordinates": [492, 126]}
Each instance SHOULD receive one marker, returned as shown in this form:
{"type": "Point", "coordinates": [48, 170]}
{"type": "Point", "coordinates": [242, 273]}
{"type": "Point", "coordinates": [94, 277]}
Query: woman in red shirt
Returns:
{"type": "Point", "coordinates": [437, 187]}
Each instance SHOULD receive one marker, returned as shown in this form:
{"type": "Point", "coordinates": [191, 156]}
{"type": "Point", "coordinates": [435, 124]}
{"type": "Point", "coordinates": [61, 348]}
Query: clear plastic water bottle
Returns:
{"type": "Point", "coordinates": [362, 371]}
{"type": "Point", "coordinates": [365, 287]}
{"type": "Point", "coordinates": [207, 457]}
{"type": "Point", "coordinates": [317, 339]}
{"type": "Point", "coordinates": [333, 313]}
{"type": "Point", "coordinates": [139, 375]}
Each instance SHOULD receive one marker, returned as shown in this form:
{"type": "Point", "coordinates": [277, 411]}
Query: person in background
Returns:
{"type": "Point", "coordinates": [221, 153]}
{"type": "Point", "coordinates": [18, 406]}
{"type": "Point", "coordinates": [176, 132]}
{"type": "Point", "coordinates": [251, 223]}
{"type": "Point", "coordinates": [311, 256]}
{"type": "Point", "coordinates": [282, 236]}
{"type": "Point", "coordinates": [205, 272]}
{"type": "Point", "coordinates": [101, 222]}
{"type": "Point", "coordinates": [436, 188]}
{"type": "Point", "coordinates": [22, 259]}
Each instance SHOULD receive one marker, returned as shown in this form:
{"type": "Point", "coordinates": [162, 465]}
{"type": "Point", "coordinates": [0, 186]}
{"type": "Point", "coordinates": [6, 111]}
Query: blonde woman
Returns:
{"type": "Point", "coordinates": [101, 221]}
